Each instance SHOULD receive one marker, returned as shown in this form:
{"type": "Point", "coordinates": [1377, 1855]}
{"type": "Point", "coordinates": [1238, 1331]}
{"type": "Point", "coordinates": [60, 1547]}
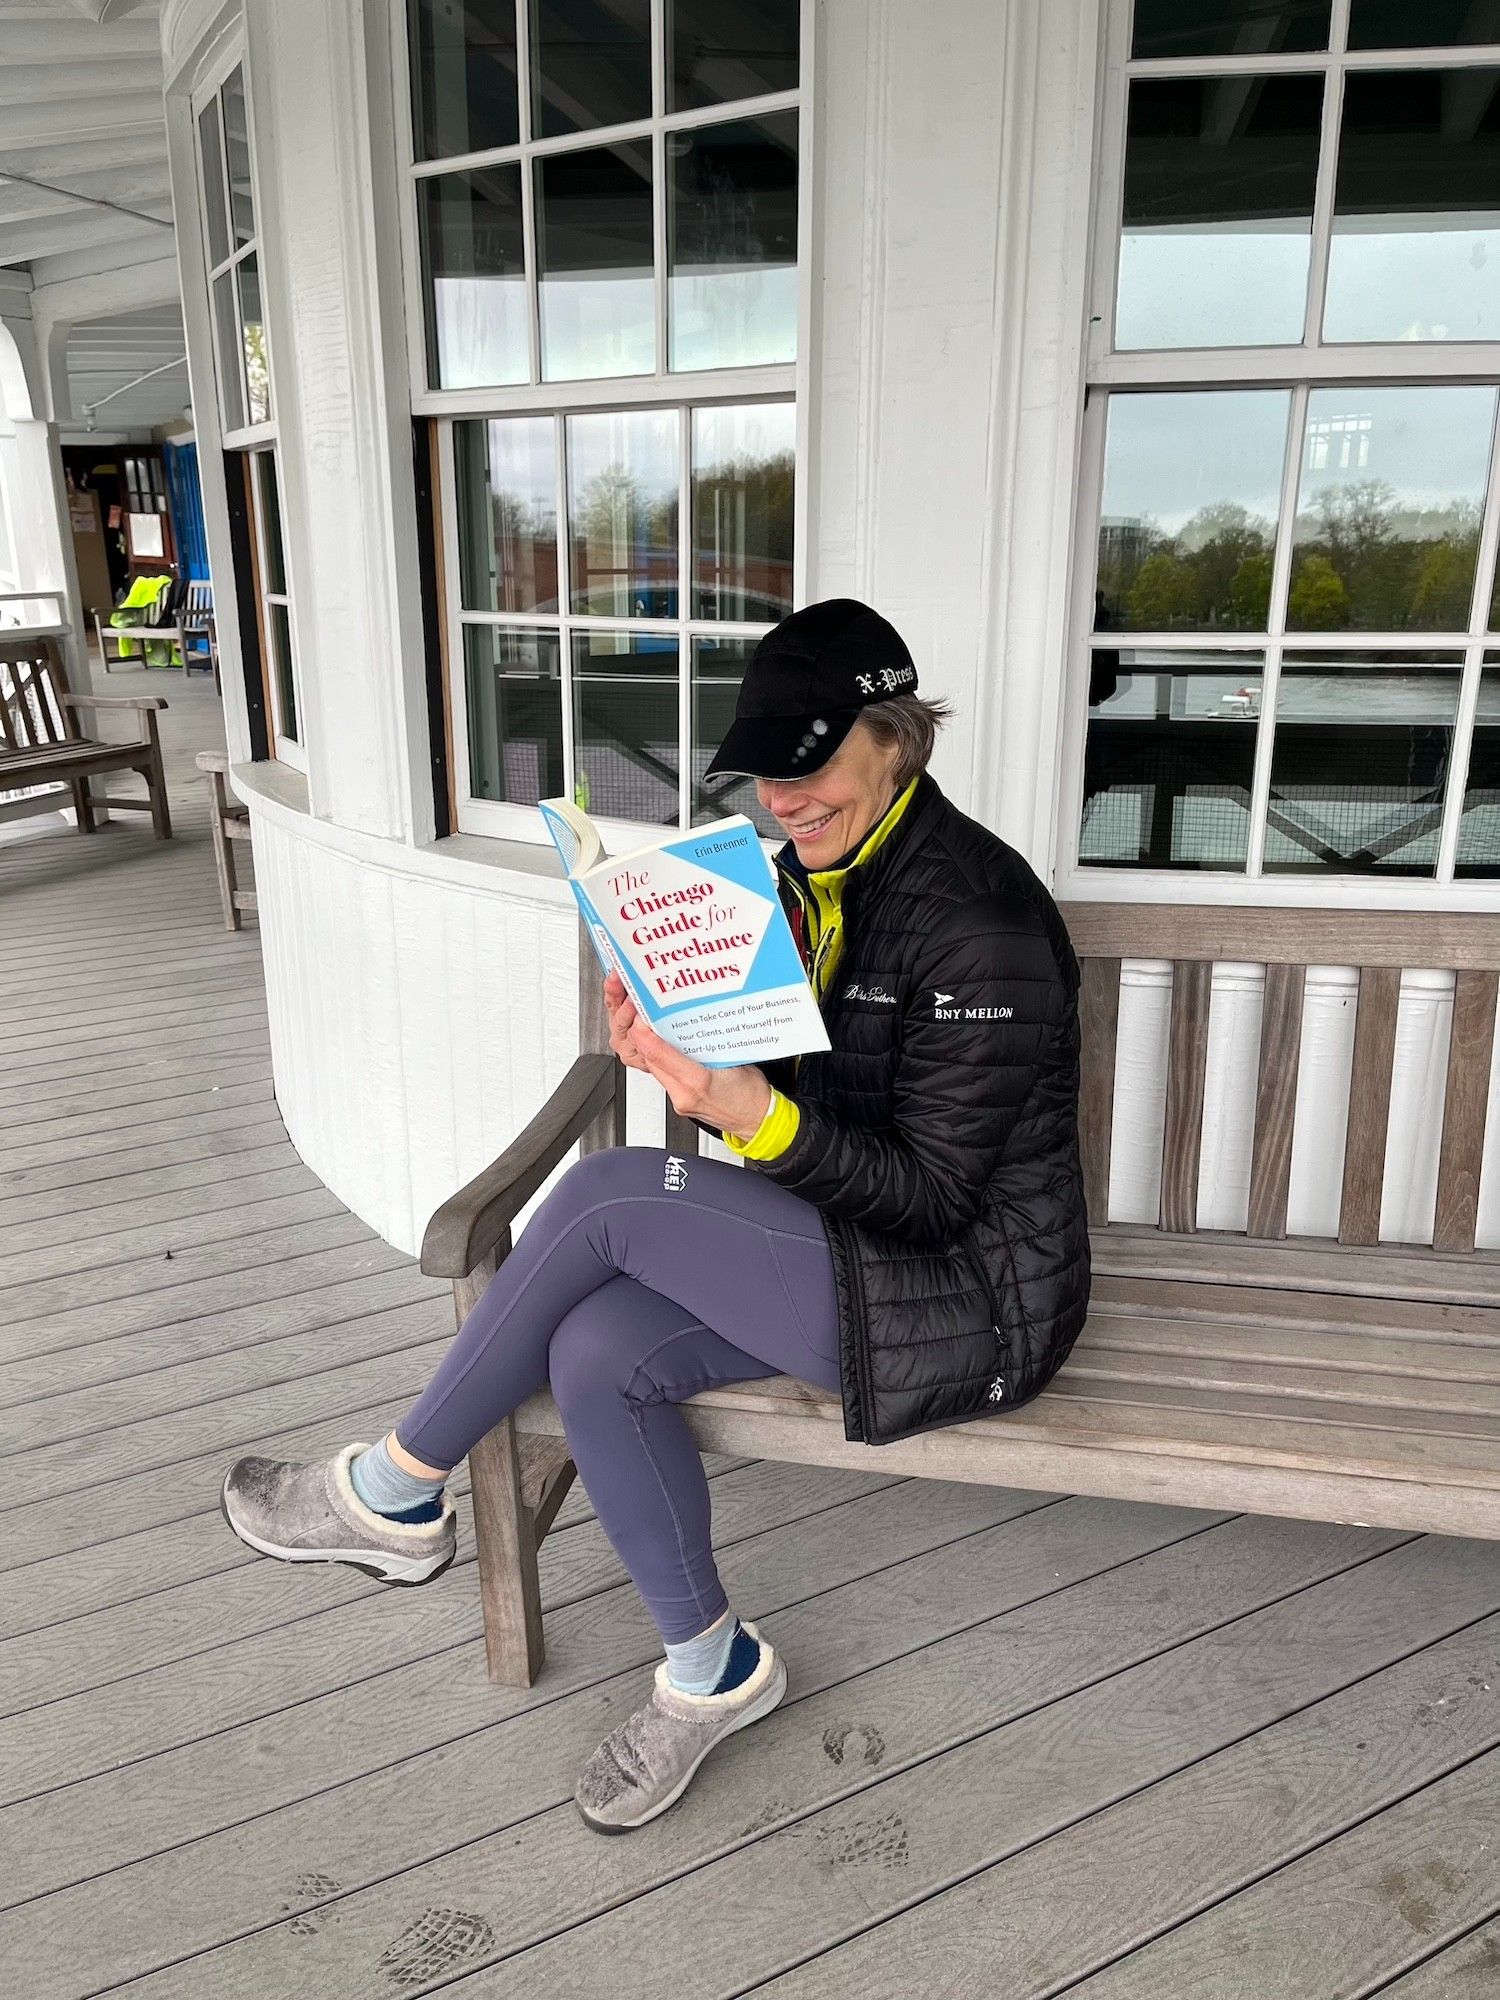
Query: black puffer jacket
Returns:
{"type": "Point", "coordinates": [939, 1136]}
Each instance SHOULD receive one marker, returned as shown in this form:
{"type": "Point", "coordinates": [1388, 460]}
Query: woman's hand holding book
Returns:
{"type": "Point", "coordinates": [730, 1100]}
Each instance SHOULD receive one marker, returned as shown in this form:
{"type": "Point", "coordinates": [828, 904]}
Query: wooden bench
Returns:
{"type": "Point", "coordinates": [193, 621]}
{"type": "Point", "coordinates": [1347, 1381]}
{"type": "Point", "coordinates": [228, 822]}
{"type": "Point", "coordinates": [41, 744]}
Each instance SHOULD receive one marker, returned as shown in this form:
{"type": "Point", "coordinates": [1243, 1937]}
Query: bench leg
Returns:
{"type": "Point", "coordinates": [509, 1588]}
{"type": "Point", "coordinates": [156, 782]}
{"type": "Point", "coordinates": [83, 805]}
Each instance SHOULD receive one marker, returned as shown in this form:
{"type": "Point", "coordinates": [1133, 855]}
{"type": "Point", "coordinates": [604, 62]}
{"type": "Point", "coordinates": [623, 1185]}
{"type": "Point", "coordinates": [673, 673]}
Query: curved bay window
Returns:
{"type": "Point", "coordinates": [1291, 483]}
{"type": "Point", "coordinates": [603, 232]}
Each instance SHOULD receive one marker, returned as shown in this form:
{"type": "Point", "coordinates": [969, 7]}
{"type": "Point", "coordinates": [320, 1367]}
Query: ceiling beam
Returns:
{"type": "Point", "coordinates": [106, 77]}
{"type": "Point", "coordinates": [143, 193]}
{"type": "Point", "coordinates": [49, 235]}
{"type": "Point", "coordinates": [61, 38]}
{"type": "Point", "coordinates": [111, 260]}
{"type": "Point", "coordinates": [90, 117]}
{"type": "Point", "coordinates": [77, 160]}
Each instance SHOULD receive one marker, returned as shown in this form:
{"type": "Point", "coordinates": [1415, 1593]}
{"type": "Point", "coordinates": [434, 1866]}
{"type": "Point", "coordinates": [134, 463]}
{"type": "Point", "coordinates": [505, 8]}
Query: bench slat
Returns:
{"type": "Point", "coordinates": [1099, 1020]}
{"type": "Point", "coordinates": [1276, 1100]}
{"type": "Point", "coordinates": [1182, 1139]}
{"type": "Point", "coordinates": [1417, 1321]}
{"type": "Point", "coordinates": [1313, 1264]}
{"type": "Point", "coordinates": [1467, 1407]}
{"type": "Point", "coordinates": [1291, 1346]}
{"type": "Point", "coordinates": [1465, 1103]}
{"type": "Point", "coordinates": [1369, 1103]}
{"type": "Point", "coordinates": [1451, 940]}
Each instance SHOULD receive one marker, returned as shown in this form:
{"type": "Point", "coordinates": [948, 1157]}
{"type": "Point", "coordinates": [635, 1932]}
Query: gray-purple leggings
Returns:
{"type": "Point", "coordinates": [641, 1279]}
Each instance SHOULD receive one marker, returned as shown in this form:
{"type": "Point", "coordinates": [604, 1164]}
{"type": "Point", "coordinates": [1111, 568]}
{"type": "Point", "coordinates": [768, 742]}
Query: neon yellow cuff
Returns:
{"type": "Point", "coordinates": [774, 1133]}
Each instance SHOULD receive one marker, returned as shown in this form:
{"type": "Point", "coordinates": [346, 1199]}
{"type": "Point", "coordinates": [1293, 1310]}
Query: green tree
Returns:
{"type": "Point", "coordinates": [1219, 539]}
{"type": "Point", "coordinates": [1248, 598]}
{"type": "Point", "coordinates": [1320, 598]}
{"type": "Point", "coordinates": [1162, 594]}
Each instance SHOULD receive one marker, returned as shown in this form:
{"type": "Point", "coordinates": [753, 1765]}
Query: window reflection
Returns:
{"type": "Point", "coordinates": [722, 50]}
{"type": "Point", "coordinates": [213, 182]}
{"type": "Point", "coordinates": [1219, 180]}
{"type": "Point", "coordinates": [625, 724]}
{"type": "Point", "coordinates": [1416, 229]}
{"type": "Point", "coordinates": [227, 351]}
{"type": "Point", "coordinates": [463, 62]}
{"type": "Point", "coordinates": [1479, 827]}
{"type": "Point", "coordinates": [237, 157]}
{"type": "Point", "coordinates": [274, 545]}
{"type": "Point", "coordinates": [279, 622]}
{"type": "Point", "coordinates": [743, 484]}
{"type": "Point", "coordinates": [732, 252]}
{"type": "Point", "coordinates": [253, 336]}
{"type": "Point", "coordinates": [1169, 759]}
{"type": "Point", "coordinates": [1435, 24]}
{"type": "Point", "coordinates": [514, 696]}
{"type": "Point", "coordinates": [1387, 530]}
{"type": "Point", "coordinates": [718, 668]}
{"type": "Point", "coordinates": [623, 479]}
{"type": "Point", "coordinates": [594, 259]}
{"type": "Point", "coordinates": [1359, 764]}
{"type": "Point", "coordinates": [474, 260]}
{"type": "Point", "coordinates": [590, 64]}
{"type": "Point", "coordinates": [1192, 486]}
{"type": "Point", "coordinates": [1229, 27]}
{"type": "Point", "coordinates": [507, 513]}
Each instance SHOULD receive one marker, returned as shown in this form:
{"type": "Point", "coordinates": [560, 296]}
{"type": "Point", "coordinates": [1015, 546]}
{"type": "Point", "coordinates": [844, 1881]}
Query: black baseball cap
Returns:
{"type": "Point", "coordinates": [805, 686]}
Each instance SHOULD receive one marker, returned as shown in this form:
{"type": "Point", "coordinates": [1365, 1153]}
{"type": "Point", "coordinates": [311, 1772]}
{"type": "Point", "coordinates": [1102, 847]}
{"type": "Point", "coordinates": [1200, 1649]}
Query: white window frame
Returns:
{"type": "Point", "coordinates": [288, 749]}
{"type": "Point", "coordinates": [685, 389]}
{"type": "Point", "coordinates": [247, 435]}
{"type": "Point", "coordinates": [1302, 367]}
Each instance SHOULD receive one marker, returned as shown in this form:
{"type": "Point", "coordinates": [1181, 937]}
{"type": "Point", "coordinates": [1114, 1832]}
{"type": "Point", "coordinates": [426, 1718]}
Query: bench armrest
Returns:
{"type": "Point", "coordinates": [114, 700]}
{"type": "Point", "coordinates": [470, 1223]}
{"type": "Point", "coordinates": [212, 760]}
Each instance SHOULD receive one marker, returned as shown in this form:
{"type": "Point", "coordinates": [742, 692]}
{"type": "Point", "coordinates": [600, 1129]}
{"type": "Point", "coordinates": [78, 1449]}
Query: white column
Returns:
{"type": "Point", "coordinates": [950, 232]}
{"type": "Point", "coordinates": [35, 493]}
{"type": "Point", "coordinates": [321, 104]}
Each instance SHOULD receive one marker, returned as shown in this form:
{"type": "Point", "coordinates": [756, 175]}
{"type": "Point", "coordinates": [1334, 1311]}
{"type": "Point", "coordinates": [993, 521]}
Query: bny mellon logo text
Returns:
{"type": "Point", "coordinates": [941, 1011]}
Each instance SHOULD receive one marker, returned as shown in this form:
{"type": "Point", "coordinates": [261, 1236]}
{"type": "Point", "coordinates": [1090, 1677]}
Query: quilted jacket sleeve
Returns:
{"type": "Point", "coordinates": [985, 1007]}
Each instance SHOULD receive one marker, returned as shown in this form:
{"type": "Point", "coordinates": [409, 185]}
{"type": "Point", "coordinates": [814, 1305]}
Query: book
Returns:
{"type": "Point", "coordinates": [694, 927]}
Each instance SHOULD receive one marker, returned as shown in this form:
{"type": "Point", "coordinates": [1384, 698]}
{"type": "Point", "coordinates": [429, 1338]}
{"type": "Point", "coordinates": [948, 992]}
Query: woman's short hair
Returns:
{"type": "Point", "coordinates": [909, 724]}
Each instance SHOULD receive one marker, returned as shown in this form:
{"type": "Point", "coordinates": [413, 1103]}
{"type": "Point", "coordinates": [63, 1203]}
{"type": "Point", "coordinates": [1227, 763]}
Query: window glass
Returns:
{"type": "Point", "coordinates": [624, 474]}
{"type": "Point", "coordinates": [1169, 759]}
{"type": "Point", "coordinates": [1432, 24]}
{"type": "Point", "coordinates": [253, 340]}
{"type": "Point", "coordinates": [718, 668]}
{"type": "Point", "coordinates": [463, 84]}
{"type": "Point", "coordinates": [1192, 486]}
{"type": "Point", "coordinates": [595, 262]}
{"type": "Point", "coordinates": [732, 254]}
{"type": "Point", "coordinates": [1229, 27]}
{"type": "Point", "coordinates": [513, 683]}
{"type": "Point", "coordinates": [213, 182]}
{"type": "Point", "coordinates": [590, 64]}
{"type": "Point", "coordinates": [270, 519]}
{"type": "Point", "coordinates": [1359, 764]}
{"type": "Point", "coordinates": [1219, 181]}
{"type": "Point", "coordinates": [474, 266]}
{"type": "Point", "coordinates": [1387, 530]}
{"type": "Point", "coordinates": [743, 482]}
{"type": "Point", "coordinates": [722, 50]}
{"type": "Point", "coordinates": [1495, 600]}
{"type": "Point", "coordinates": [237, 155]}
{"type": "Point", "coordinates": [1479, 826]}
{"type": "Point", "coordinates": [279, 626]}
{"type": "Point", "coordinates": [507, 506]}
{"type": "Point", "coordinates": [625, 724]}
{"type": "Point", "coordinates": [227, 347]}
{"type": "Point", "coordinates": [1416, 228]}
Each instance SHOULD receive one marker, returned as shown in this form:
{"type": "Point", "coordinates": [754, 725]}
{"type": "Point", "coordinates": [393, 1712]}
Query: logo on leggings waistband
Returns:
{"type": "Point", "coordinates": [674, 1180]}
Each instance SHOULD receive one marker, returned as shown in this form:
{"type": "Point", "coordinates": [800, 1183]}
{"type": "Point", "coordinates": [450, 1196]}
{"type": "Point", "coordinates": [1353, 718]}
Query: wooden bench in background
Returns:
{"type": "Point", "coordinates": [1346, 1381]}
{"type": "Point", "coordinates": [228, 822]}
{"type": "Point", "coordinates": [41, 743]}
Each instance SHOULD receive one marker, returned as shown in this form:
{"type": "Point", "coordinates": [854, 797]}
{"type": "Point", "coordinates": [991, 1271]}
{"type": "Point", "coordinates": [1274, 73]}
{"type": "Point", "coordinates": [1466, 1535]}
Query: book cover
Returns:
{"type": "Point", "coordinates": [693, 925]}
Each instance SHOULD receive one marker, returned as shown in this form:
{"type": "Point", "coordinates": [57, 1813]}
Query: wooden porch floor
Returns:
{"type": "Point", "coordinates": [1032, 1745]}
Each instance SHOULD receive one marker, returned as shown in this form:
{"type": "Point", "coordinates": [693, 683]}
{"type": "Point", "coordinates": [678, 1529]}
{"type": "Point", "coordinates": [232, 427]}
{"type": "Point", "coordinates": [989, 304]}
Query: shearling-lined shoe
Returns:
{"type": "Point", "coordinates": [647, 1764]}
{"type": "Point", "coordinates": [311, 1513]}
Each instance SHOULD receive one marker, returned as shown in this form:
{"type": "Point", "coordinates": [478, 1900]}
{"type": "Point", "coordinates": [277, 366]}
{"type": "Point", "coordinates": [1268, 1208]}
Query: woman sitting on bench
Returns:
{"type": "Point", "coordinates": [913, 1237]}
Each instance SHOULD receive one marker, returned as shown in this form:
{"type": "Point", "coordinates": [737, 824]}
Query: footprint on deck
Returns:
{"type": "Point", "coordinates": [836, 1739]}
{"type": "Point", "coordinates": [880, 1842]}
{"type": "Point", "coordinates": [436, 1942]}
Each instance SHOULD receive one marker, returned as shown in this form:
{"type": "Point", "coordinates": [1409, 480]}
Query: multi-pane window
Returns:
{"type": "Point", "coordinates": [1292, 496]}
{"type": "Point", "coordinates": [604, 225]}
{"type": "Point", "coordinates": [604, 190]}
{"type": "Point", "coordinates": [615, 570]}
{"type": "Point", "coordinates": [233, 257]}
{"type": "Point", "coordinates": [274, 605]}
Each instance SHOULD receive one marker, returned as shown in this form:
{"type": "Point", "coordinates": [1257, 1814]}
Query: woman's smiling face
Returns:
{"type": "Point", "coordinates": [833, 809]}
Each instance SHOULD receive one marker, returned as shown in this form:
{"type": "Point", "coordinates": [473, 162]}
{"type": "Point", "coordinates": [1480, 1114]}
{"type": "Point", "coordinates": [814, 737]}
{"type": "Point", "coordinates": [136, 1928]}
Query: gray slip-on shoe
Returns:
{"type": "Point", "coordinates": [647, 1764]}
{"type": "Point", "coordinates": [311, 1513]}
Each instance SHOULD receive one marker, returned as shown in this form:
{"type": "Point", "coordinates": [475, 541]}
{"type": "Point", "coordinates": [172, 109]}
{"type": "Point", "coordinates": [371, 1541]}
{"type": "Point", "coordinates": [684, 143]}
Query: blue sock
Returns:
{"type": "Point", "coordinates": [715, 1662]}
{"type": "Point", "coordinates": [386, 1489]}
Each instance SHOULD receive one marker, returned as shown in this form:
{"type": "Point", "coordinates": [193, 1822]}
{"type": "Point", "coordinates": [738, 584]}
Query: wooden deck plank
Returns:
{"type": "Point", "coordinates": [1104, 1842]}
{"type": "Point", "coordinates": [84, 1105]}
{"type": "Point", "coordinates": [108, 1139]}
{"type": "Point", "coordinates": [260, 1151]}
{"type": "Point", "coordinates": [1468, 1970]}
{"type": "Point", "coordinates": [80, 1164]}
{"type": "Point", "coordinates": [183, 1794]}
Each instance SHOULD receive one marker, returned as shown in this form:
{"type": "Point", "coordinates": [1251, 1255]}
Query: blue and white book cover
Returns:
{"type": "Point", "coordinates": [695, 927]}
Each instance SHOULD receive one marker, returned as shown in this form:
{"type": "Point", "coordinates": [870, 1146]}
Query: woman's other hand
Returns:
{"type": "Point", "coordinates": [730, 1100]}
